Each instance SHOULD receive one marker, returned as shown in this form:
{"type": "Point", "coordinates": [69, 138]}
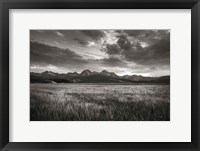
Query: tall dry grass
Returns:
{"type": "Point", "coordinates": [70, 102]}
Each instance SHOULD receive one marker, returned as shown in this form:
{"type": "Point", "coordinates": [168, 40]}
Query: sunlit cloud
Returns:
{"type": "Point", "coordinates": [110, 37]}
{"type": "Point", "coordinates": [59, 34]}
{"type": "Point", "coordinates": [91, 44]}
{"type": "Point", "coordinates": [143, 44]}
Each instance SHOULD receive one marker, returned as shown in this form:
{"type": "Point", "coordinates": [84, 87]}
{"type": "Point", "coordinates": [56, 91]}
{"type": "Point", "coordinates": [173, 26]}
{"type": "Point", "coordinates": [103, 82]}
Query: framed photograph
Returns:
{"type": "Point", "coordinates": [99, 75]}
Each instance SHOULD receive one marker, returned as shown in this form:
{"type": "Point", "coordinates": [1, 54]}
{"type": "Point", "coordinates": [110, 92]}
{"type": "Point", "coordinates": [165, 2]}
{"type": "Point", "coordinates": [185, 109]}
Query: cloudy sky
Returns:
{"type": "Point", "coordinates": [140, 52]}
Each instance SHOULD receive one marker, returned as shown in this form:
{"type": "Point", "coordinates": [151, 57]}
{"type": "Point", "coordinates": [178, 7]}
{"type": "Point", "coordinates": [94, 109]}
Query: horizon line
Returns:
{"type": "Point", "coordinates": [99, 72]}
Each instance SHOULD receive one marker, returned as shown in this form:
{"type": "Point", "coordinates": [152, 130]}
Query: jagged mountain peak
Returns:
{"type": "Point", "coordinates": [72, 74]}
{"type": "Point", "coordinates": [49, 73]}
{"type": "Point", "coordinates": [106, 73]}
{"type": "Point", "coordinates": [86, 72]}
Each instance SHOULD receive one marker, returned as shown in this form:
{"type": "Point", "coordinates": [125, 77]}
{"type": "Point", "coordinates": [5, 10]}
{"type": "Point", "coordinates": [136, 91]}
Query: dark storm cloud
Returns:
{"type": "Point", "coordinates": [145, 34]}
{"type": "Point", "coordinates": [140, 33]}
{"type": "Point", "coordinates": [130, 46]}
{"type": "Point", "coordinates": [112, 49]}
{"type": "Point", "coordinates": [43, 54]}
{"type": "Point", "coordinates": [93, 34]}
{"type": "Point", "coordinates": [113, 62]}
{"type": "Point", "coordinates": [124, 43]}
{"type": "Point", "coordinates": [81, 41]}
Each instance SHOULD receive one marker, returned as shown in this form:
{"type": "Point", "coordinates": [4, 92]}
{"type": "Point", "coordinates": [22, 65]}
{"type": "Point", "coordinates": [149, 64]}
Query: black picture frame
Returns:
{"type": "Point", "coordinates": [5, 5]}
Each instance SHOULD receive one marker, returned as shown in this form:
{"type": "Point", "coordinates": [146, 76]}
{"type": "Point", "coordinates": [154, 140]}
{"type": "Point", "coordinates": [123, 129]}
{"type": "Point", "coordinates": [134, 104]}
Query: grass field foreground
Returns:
{"type": "Point", "coordinates": [96, 102]}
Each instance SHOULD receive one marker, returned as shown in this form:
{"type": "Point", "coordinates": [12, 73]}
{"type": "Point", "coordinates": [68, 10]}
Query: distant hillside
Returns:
{"type": "Point", "coordinates": [88, 76]}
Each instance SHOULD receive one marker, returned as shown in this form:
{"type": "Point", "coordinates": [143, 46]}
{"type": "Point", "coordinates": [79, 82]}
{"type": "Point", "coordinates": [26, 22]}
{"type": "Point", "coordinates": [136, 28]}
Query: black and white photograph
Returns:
{"type": "Point", "coordinates": [100, 75]}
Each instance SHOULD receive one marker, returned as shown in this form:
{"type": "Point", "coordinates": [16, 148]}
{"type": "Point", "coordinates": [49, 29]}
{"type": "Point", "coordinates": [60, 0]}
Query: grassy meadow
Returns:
{"type": "Point", "coordinates": [99, 102]}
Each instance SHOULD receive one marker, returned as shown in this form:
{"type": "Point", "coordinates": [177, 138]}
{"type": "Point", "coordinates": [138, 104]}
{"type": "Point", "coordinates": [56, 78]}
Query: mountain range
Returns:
{"type": "Point", "coordinates": [88, 76]}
